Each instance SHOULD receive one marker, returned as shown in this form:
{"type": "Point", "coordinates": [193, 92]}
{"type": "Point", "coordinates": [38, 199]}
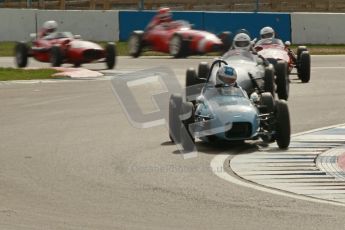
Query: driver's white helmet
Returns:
{"type": "Point", "coordinates": [226, 75]}
{"type": "Point", "coordinates": [267, 32]}
{"type": "Point", "coordinates": [242, 41]}
{"type": "Point", "coordinates": [164, 14]}
{"type": "Point", "coordinates": [50, 26]}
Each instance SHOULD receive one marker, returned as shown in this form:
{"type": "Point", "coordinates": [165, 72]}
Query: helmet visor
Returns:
{"type": "Point", "coordinates": [242, 43]}
{"type": "Point", "coordinates": [267, 35]}
{"type": "Point", "coordinates": [165, 16]}
{"type": "Point", "coordinates": [51, 30]}
{"type": "Point", "coordinates": [229, 80]}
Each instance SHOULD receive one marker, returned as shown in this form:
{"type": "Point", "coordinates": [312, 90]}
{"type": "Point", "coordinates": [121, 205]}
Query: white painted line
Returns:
{"type": "Point", "coordinates": [45, 81]}
{"type": "Point", "coordinates": [320, 138]}
{"type": "Point", "coordinates": [269, 172]}
{"type": "Point", "coordinates": [328, 67]}
{"type": "Point", "coordinates": [219, 161]}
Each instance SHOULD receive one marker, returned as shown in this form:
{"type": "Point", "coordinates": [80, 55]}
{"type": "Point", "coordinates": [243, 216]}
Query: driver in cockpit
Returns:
{"type": "Point", "coordinates": [48, 28]}
{"type": "Point", "coordinates": [226, 79]}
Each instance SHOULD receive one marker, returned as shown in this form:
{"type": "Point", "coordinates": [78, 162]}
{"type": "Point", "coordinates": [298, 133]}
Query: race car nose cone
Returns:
{"type": "Point", "coordinates": [208, 44]}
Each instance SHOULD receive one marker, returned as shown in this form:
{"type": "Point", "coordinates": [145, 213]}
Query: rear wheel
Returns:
{"type": "Point", "coordinates": [110, 55]}
{"type": "Point", "coordinates": [175, 104]}
{"type": "Point", "coordinates": [135, 44]}
{"type": "Point", "coordinates": [77, 65]}
{"type": "Point", "coordinates": [303, 69]}
{"type": "Point", "coordinates": [203, 70]}
{"type": "Point", "coordinates": [283, 131]}
{"type": "Point", "coordinates": [21, 54]}
{"type": "Point", "coordinates": [267, 102]}
{"type": "Point", "coordinates": [226, 38]}
{"type": "Point", "coordinates": [178, 47]}
{"type": "Point", "coordinates": [56, 57]}
{"type": "Point", "coordinates": [269, 80]}
{"type": "Point", "coordinates": [283, 84]}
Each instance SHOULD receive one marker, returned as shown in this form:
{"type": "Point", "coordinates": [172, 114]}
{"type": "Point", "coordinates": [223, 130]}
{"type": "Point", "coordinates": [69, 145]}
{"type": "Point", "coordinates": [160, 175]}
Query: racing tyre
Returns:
{"type": "Point", "coordinates": [303, 69]}
{"type": "Point", "coordinates": [56, 56]}
{"type": "Point", "coordinates": [110, 55]}
{"type": "Point", "coordinates": [187, 118]}
{"type": "Point", "coordinates": [175, 103]}
{"type": "Point", "coordinates": [300, 49]}
{"type": "Point", "coordinates": [135, 43]}
{"type": "Point", "coordinates": [267, 103]}
{"type": "Point", "coordinates": [77, 65]}
{"type": "Point", "coordinates": [282, 80]}
{"type": "Point", "coordinates": [269, 80]}
{"type": "Point", "coordinates": [203, 70]}
{"type": "Point", "coordinates": [282, 124]}
{"type": "Point", "coordinates": [193, 85]}
{"type": "Point", "coordinates": [226, 38]}
{"type": "Point", "coordinates": [21, 54]}
{"type": "Point", "coordinates": [178, 47]}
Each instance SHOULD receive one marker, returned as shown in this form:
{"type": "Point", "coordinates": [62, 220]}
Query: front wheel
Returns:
{"type": "Point", "coordinates": [21, 54]}
{"type": "Point", "coordinates": [267, 102]}
{"type": "Point", "coordinates": [269, 80]}
{"type": "Point", "coordinates": [283, 130]}
{"type": "Point", "coordinates": [187, 118]}
{"type": "Point", "coordinates": [193, 85]}
{"type": "Point", "coordinates": [77, 65]}
{"type": "Point", "coordinates": [300, 49]}
{"type": "Point", "coordinates": [178, 47]}
{"type": "Point", "coordinates": [110, 55]}
{"type": "Point", "coordinates": [135, 44]}
{"type": "Point", "coordinates": [203, 70]}
{"type": "Point", "coordinates": [56, 57]}
{"type": "Point", "coordinates": [303, 69]}
{"type": "Point", "coordinates": [175, 104]}
{"type": "Point", "coordinates": [283, 84]}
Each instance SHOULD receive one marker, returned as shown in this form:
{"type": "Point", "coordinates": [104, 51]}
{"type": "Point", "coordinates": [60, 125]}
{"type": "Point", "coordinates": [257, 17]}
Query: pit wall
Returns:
{"type": "Point", "coordinates": [95, 25]}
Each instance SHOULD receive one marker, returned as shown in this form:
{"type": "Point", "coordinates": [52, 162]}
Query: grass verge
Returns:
{"type": "Point", "coordinates": [324, 49]}
{"type": "Point", "coordinates": [7, 49]}
{"type": "Point", "coordinates": [9, 74]}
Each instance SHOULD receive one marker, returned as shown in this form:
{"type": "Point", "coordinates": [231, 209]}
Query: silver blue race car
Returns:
{"type": "Point", "coordinates": [227, 113]}
{"type": "Point", "coordinates": [244, 62]}
{"type": "Point", "coordinates": [269, 77]}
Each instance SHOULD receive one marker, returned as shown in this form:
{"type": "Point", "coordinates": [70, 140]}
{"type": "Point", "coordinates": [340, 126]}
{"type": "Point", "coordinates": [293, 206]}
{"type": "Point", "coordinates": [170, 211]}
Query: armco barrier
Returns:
{"type": "Point", "coordinates": [318, 28]}
{"type": "Point", "coordinates": [215, 22]}
{"type": "Point", "coordinates": [17, 24]}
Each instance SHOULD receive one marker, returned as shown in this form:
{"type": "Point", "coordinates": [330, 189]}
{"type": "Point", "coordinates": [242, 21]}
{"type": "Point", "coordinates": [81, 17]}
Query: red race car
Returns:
{"type": "Point", "coordinates": [176, 38]}
{"type": "Point", "coordinates": [58, 48]}
{"type": "Point", "coordinates": [274, 49]}
{"type": "Point", "coordinates": [284, 60]}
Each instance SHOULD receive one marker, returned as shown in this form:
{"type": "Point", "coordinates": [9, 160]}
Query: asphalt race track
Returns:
{"type": "Point", "coordinates": [71, 159]}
